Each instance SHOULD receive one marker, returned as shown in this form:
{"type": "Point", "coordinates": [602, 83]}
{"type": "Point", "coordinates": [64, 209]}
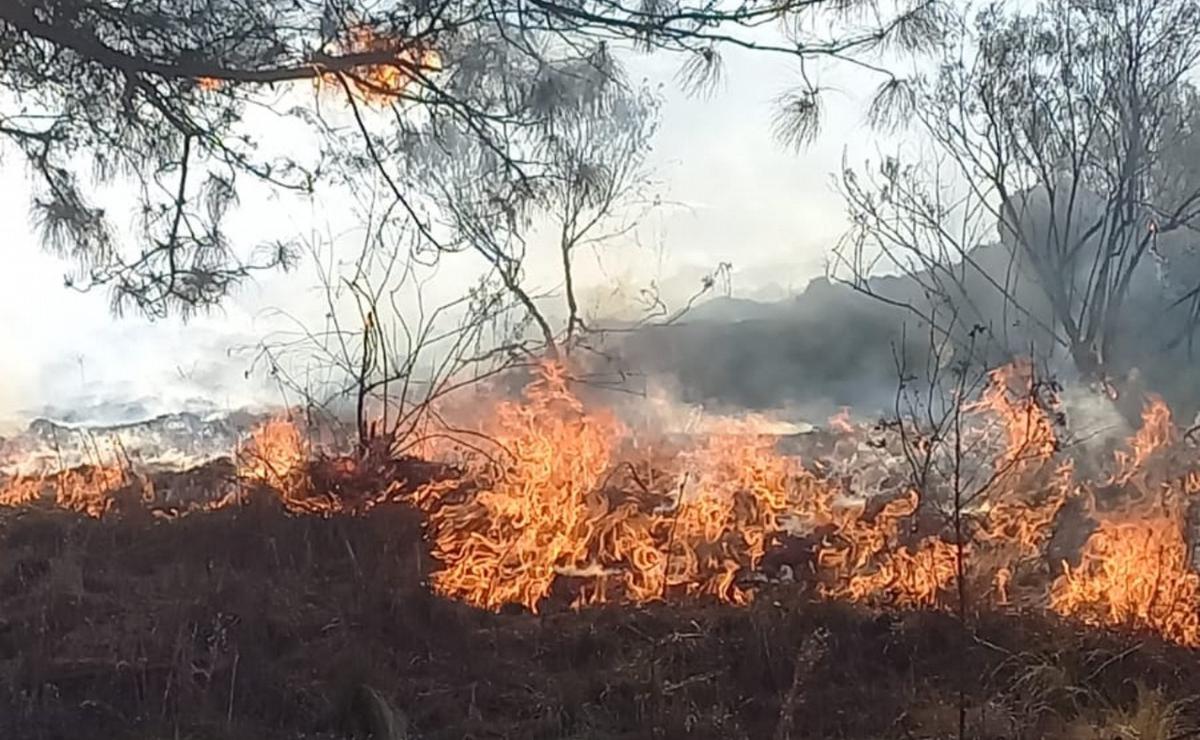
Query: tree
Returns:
{"type": "Point", "coordinates": [389, 352]}
{"type": "Point", "coordinates": [577, 168]}
{"type": "Point", "coordinates": [1059, 128]}
{"type": "Point", "coordinates": [98, 92]}
{"type": "Point", "coordinates": [976, 442]}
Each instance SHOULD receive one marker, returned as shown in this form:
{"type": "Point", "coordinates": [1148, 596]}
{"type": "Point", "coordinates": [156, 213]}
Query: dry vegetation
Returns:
{"type": "Point", "coordinates": [248, 622]}
{"type": "Point", "coordinates": [578, 592]}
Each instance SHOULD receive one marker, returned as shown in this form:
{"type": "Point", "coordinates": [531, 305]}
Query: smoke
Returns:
{"type": "Point", "coordinates": [135, 372]}
{"type": "Point", "coordinates": [805, 357]}
{"type": "Point", "coordinates": [831, 347]}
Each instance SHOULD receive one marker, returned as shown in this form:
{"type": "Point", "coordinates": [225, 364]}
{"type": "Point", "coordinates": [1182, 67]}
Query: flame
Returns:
{"type": "Point", "coordinates": [278, 458]}
{"type": "Point", "coordinates": [1157, 431]}
{"type": "Point", "coordinates": [1135, 570]}
{"type": "Point", "coordinates": [872, 563]}
{"type": "Point", "coordinates": [87, 489]}
{"type": "Point", "coordinates": [1134, 574]}
{"type": "Point", "coordinates": [275, 451]}
{"type": "Point", "coordinates": [383, 82]}
{"type": "Point", "coordinates": [567, 505]}
{"type": "Point", "coordinates": [375, 83]}
{"type": "Point", "coordinates": [692, 523]}
{"type": "Point", "coordinates": [534, 515]}
{"type": "Point", "coordinates": [730, 498]}
{"type": "Point", "coordinates": [840, 422]}
{"type": "Point", "coordinates": [564, 508]}
{"type": "Point", "coordinates": [1013, 399]}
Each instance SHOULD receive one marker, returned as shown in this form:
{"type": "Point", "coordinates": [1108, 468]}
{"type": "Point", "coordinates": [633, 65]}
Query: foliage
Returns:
{"type": "Point", "coordinates": [159, 92]}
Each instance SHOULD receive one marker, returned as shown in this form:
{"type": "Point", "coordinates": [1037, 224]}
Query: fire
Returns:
{"type": "Point", "coordinates": [567, 505]}
{"type": "Point", "coordinates": [376, 83]}
{"type": "Point", "coordinates": [87, 489]}
{"type": "Point", "coordinates": [1134, 574]}
{"type": "Point", "coordinates": [1135, 570]}
{"type": "Point", "coordinates": [689, 524]}
{"type": "Point", "coordinates": [279, 458]}
{"type": "Point", "coordinates": [840, 422]}
{"type": "Point", "coordinates": [873, 565]}
{"type": "Point", "coordinates": [1014, 399]}
{"type": "Point", "coordinates": [533, 515]}
{"type": "Point", "coordinates": [1157, 431]}
{"type": "Point", "coordinates": [731, 495]}
{"type": "Point", "coordinates": [384, 82]}
{"type": "Point", "coordinates": [275, 451]}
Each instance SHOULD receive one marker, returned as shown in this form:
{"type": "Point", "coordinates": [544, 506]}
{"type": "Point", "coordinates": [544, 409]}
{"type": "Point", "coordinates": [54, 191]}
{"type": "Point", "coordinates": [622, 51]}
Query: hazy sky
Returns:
{"type": "Point", "coordinates": [746, 200]}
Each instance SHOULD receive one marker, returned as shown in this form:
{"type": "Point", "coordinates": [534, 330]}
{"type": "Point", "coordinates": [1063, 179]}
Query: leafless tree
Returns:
{"type": "Point", "coordinates": [1059, 127]}
{"type": "Point", "coordinates": [581, 170]}
{"type": "Point", "coordinates": [390, 357]}
{"type": "Point", "coordinates": [384, 354]}
{"type": "Point", "coordinates": [972, 437]}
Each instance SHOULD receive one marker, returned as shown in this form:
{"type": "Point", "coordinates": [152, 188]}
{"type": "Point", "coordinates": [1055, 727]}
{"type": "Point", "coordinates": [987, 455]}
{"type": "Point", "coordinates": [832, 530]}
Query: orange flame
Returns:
{"type": "Point", "coordinates": [506, 543]}
{"type": "Point", "coordinates": [562, 509]}
{"type": "Point", "coordinates": [1134, 574]}
{"type": "Point", "coordinates": [275, 451]}
{"type": "Point", "coordinates": [87, 489]}
{"type": "Point", "coordinates": [1012, 398]}
{"type": "Point", "coordinates": [377, 82]}
{"type": "Point", "coordinates": [278, 457]}
{"type": "Point", "coordinates": [1157, 431]}
{"type": "Point", "coordinates": [383, 82]}
{"type": "Point", "coordinates": [574, 508]}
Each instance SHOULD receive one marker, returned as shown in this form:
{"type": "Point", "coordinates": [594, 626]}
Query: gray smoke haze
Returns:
{"type": "Point", "coordinates": [782, 341]}
{"type": "Point", "coordinates": [830, 346]}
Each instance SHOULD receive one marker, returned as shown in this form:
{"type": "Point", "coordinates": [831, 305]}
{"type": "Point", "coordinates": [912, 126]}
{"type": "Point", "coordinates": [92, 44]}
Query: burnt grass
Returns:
{"type": "Point", "coordinates": [249, 622]}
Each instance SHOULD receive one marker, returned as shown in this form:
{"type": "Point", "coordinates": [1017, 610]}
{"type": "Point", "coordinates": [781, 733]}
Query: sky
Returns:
{"type": "Point", "coordinates": [741, 198]}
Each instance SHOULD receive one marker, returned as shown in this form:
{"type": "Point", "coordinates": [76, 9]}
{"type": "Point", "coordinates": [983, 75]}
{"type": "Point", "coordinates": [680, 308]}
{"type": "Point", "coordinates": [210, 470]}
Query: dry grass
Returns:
{"type": "Point", "coordinates": [250, 623]}
{"type": "Point", "coordinates": [1150, 716]}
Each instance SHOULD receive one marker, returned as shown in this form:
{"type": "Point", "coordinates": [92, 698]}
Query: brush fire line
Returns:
{"type": "Point", "coordinates": [572, 509]}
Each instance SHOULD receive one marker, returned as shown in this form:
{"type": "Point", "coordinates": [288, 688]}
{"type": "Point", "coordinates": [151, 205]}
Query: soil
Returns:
{"type": "Point", "coordinates": [249, 622]}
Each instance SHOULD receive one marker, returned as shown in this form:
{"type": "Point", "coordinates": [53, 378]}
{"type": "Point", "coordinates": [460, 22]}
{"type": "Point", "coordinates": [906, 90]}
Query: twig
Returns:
{"type": "Point", "coordinates": [1114, 659]}
{"type": "Point", "coordinates": [671, 534]}
{"type": "Point", "coordinates": [237, 656]}
{"type": "Point", "coordinates": [992, 646]}
{"type": "Point", "coordinates": [673, 687]}
{"type": "Point", "coordinates": [353, 559]}
{"type": "Point", "coordinates": [812, 649]}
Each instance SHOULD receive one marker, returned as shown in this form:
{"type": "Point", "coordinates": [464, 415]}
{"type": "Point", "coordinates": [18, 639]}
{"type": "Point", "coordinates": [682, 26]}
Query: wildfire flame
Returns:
{"type": "Point", "coordinates": [376, 82]}
{"type": "Point", "coordinates": [568, 505]}
{"type": "Point", "coordinates": [532, 516]}
{"type": "Point", "coordinates": [385, 81]}
{"type": "Point", "coordinates": [87, 489]}
{"type": "Point", "coordinates": [1157, 432]}
{"type": "Point", "coordinates": [1134, 574]}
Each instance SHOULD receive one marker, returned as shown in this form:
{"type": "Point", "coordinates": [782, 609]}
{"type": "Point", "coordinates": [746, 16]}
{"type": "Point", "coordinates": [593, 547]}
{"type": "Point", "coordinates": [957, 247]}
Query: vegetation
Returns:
{"type": "Point", "coordinates": [1063, 132]}
{"type": "Point", "coordinates": [191, 645]}
{"type": "Point", "coordinates": [180, 99]}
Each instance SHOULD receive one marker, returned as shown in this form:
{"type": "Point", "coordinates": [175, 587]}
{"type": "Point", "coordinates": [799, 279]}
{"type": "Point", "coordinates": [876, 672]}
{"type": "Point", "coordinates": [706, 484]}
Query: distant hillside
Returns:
{"type": "Point", "coordinates": [832, 346]}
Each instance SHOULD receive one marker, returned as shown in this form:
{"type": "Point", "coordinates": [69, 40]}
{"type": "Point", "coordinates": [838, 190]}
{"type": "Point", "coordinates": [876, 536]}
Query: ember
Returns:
{"type": "Point", "coordinates": [384, 82]}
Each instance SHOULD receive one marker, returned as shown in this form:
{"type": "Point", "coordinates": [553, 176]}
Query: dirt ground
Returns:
{"type": "Point", "coordinates": [248, 622]}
